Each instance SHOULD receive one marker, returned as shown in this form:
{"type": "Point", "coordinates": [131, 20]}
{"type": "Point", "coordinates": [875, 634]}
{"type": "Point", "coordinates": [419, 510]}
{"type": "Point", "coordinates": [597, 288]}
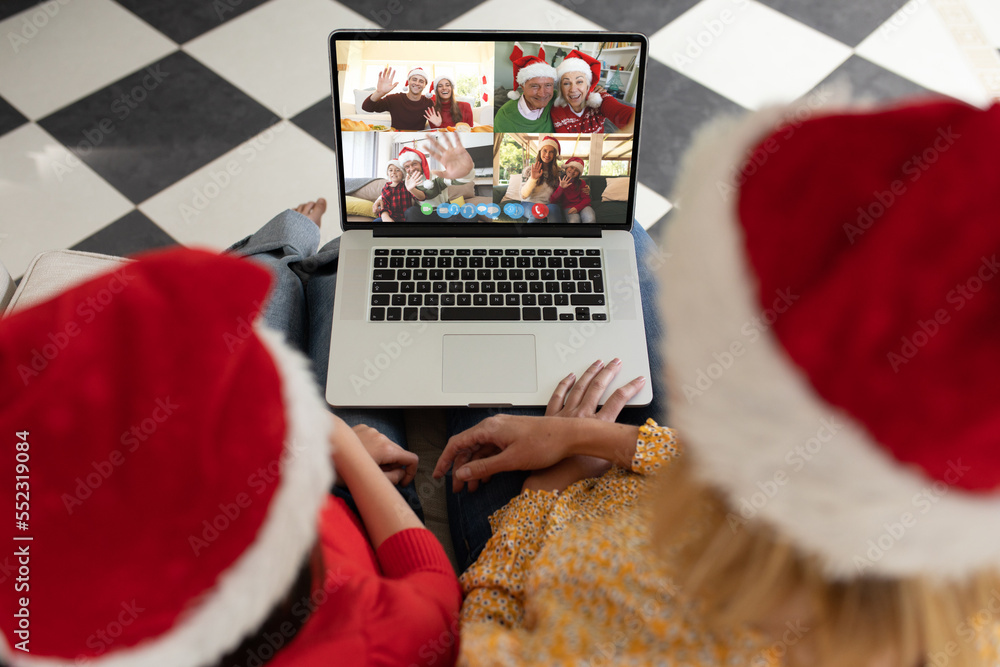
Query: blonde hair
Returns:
{"type": "Point", "coordinates": [742, 571]}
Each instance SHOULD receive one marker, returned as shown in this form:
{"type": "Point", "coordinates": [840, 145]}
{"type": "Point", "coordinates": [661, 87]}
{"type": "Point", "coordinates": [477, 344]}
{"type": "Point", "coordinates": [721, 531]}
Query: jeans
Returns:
{"type": "Point", "coordinates": [301, 306]}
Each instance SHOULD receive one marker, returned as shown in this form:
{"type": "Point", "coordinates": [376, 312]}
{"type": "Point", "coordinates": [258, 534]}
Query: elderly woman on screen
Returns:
{"type": "Point", "coordinates": [582, 106]}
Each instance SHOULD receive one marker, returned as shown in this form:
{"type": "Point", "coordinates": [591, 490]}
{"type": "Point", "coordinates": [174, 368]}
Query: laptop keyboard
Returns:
{"type": "Point", "coordinates": [487, 284]}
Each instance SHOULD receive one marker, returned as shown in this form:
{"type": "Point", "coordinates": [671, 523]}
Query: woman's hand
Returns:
{"type": "Point", "coordinates": [385, 82]}
{"type": "Point", "coordinates": [508, 442]}
{"type": "Point", "coordinates": [446, 148]}
{"type": "Point", "coordinates": [565, 181]}
{"type": "Point", "coordinates": [399, 465]}
{"type": "Point", "coordinates": [536, 170]}
{"type": "Point", "coordinates": [433, 117]}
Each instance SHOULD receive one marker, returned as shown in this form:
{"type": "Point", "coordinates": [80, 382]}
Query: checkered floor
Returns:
{"type": "Point", "coordinates": [135, 124]}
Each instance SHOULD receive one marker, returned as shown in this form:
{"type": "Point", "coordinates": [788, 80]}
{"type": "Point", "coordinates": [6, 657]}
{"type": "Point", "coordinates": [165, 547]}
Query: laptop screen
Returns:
{"type": "Point", "coordinates": [448, 128]}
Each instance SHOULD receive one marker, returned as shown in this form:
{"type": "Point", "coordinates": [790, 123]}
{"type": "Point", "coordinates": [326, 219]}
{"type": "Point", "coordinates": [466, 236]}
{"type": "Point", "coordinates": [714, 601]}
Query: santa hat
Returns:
{"type": "Point", "coordinates": [528, 67]}
{"type": "Point", "coordinates": [409, 155]}
{"type": "Point", "coordinates": [416, 70]}
{"type": "Point", "coordinates": [578, 61]}
{"type": "Point", "coordinates": [178, 455]}
{"type": "Point", "coordinates": [576, 162]}
{"type": "Point", "coordinates": [550, 141]}
{"type": "Point", "coordinates": [833, 331]}
{"type": "Point", "coordinates": [394, 163]}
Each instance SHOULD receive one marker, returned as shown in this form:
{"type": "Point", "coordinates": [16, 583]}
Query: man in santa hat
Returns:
{"type": "Point", "coordinates": [406, 108]}
{"type": "Point", "coordinates": [431, 188]}
{"type": "Point", "coordinates": [530, 104]}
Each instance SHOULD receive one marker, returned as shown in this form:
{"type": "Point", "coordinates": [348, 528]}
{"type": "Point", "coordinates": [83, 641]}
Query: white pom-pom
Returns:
{"type": "Point", "coordinates": [594, 100]}
{"type": "Point", "coordinates": [428, 183]}
{"type": "Point", "coordinates": [513, 95]}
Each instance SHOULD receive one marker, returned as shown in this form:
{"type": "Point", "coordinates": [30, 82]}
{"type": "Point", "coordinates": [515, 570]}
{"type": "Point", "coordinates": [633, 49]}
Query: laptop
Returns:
{"type": "Point", "coordinates": [473, 269]}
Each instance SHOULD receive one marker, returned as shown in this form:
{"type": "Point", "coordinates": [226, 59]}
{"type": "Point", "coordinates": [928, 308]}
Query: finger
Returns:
{"type": "Point", "coordinates": [460, 461]}
{"type": "Point", "coordinates": [580, 388]}
{"type": "Point", "coordinates": [619, 398]}
{"type": "Point", "coordinates": [599, 384]}
{"type": "Point", "coordinates": [469, 440]}
{"type": "Point", "coordinates": [395, 476]}
{"type": "Point", "coordinates": [479, 469]}
{"type": "Point", "coordinates": [558, 398]}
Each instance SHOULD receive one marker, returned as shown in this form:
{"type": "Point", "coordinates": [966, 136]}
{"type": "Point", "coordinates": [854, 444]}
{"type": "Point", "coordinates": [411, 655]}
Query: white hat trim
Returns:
{"type": "Point", "coordinates": [535, 70]}
{"type": "Point", "coordinates": [246, 593]}
{"type": "Point", "coordinates": [851, 505]}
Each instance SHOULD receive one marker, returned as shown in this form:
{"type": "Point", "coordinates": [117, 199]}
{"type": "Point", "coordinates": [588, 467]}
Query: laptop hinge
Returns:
{"type": "Point", "coordinates": [512, 231]}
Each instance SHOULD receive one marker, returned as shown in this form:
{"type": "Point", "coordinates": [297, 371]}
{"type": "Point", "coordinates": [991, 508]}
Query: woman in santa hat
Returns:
{"type": "Point", "coordinates": [581, 105]}
{"type": "Point", "coordinates": [540, 179]}
{"type": "Point", "coordinates": [831, 494]}
{"type": "Point", "coordinates": [447, 111]}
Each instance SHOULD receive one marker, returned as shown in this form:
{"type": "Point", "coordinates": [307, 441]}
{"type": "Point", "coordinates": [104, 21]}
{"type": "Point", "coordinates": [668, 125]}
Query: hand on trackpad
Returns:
{"type": "Point", "coordinates": [489, 363]}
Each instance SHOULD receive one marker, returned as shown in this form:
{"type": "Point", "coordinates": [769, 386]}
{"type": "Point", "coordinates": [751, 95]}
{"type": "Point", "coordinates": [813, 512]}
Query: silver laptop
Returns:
{"type": "Point", "coordinates": [473, 269]}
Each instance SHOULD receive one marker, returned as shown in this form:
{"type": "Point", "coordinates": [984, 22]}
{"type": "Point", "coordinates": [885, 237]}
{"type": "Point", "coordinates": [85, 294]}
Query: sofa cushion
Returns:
{"type": "Point", "coordinates": [371, 191]}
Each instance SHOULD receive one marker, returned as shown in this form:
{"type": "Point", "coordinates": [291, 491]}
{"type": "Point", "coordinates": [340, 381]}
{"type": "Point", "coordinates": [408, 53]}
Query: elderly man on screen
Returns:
{"type": "Point", "coordinates": [406, 108]}
{"type": "Point", "coordinates": [529, 109]}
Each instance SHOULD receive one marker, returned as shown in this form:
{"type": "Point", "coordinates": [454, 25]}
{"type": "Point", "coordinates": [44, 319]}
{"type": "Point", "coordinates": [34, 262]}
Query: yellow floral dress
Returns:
{"type": "Point", "coordinates": [568, 578]}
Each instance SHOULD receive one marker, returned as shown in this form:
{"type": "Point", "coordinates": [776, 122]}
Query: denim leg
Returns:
{"type": "Point", "coordinates": [287, 239]}
{"type": "Point", "coordinates": [469, 512]}
{"type": "Point", "coordinates": [649, 257]}
{"type": "Point", "coordinates": [321, 273]}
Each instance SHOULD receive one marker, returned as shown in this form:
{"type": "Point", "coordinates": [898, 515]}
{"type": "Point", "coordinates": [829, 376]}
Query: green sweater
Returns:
{"type": "Point", "coordinates": [509, 119]}
{"type": "Point", "coordinates": [437, 193]}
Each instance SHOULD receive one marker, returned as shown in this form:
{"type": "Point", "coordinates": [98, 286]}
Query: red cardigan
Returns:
{"type": "Point", "coordinates": [464, 108]}
{"type": "Point", "coordinates": [395, 606]}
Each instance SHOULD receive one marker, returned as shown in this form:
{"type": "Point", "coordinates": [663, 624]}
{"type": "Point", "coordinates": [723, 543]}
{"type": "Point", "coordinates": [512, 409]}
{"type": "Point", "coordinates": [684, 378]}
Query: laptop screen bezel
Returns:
{"type": "Point", "coordinates": [464, 228]}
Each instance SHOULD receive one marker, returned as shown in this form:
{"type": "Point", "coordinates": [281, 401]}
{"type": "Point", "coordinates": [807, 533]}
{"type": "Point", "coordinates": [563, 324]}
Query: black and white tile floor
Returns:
{"type": "Point", "coordinates": [133, 124]}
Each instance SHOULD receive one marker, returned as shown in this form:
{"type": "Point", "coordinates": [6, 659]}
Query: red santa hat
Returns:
{"type": "Point", "coordinates": [409, 155]}
{"type": "Point", "coordinates": [394, 163]}
{"type": "Point", "coordinates": [549, 140]}
{"type": "Point", "coordinates": [178, 456]}
{"type": "Point", "coordinates": [833, 331]}
{"type": "Point", "coordinates": [578, 61]}
{"type": "Point", "coordinates": [416, 70]}
{"type": "Point", "coordinates": [528, 67]}
{"type": "Point", "coordinates": [574, 161]}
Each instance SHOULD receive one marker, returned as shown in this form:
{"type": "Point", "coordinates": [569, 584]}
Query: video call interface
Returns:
{"type": "Point", "coordinates": [522, 132]}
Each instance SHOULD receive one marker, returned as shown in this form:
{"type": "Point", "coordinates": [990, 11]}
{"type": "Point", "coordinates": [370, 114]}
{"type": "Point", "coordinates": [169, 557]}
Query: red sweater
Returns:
{"type": "Point", "coordinates": [395, 606]}
{"type": "Point", "coordinates": [464, 108]}
{"type": "Point", "coordinates": [592, 120]}
{"type": "Point", "coordinates": [406, 114]}
{"type": "Point", "coordinates": [571, 197]}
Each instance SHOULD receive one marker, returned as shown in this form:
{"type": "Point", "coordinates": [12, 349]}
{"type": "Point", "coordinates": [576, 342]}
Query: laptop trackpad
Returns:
{"type": "Point", "coordinates": [489, 363]}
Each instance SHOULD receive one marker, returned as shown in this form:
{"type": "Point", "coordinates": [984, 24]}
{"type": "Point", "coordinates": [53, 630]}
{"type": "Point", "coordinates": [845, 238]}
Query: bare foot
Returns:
{"type": "Point", "coordinates": [313, 210]}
